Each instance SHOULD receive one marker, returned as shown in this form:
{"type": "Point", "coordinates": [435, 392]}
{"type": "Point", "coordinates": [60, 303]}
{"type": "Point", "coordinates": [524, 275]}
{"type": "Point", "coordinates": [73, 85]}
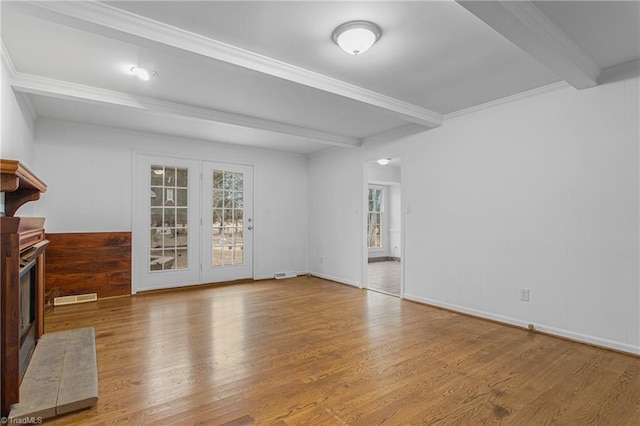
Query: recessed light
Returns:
{"type": "Point", "coordinates": [384, 161]}
{"type": "Point", "coordinates": [142, 73]}
{"type": "Point", "coordinates": [356, 37]}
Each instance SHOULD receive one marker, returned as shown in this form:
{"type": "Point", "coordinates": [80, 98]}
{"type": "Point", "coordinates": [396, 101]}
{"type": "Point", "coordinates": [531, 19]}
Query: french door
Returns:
{"type": "Point", "coordinates": [192, 222]}
{"type": "Point", "coordinates": [227, 206]}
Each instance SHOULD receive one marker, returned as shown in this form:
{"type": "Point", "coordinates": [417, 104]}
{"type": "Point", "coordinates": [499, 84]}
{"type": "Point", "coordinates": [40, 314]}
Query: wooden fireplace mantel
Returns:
{"type": "Point", "coordinates": [18, 236]}
{"type": "Point", "coordinates": [19, 185]}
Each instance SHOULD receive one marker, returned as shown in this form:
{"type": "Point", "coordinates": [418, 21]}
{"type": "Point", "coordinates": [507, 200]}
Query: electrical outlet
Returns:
{"type": "Point", "coordinates": [321, 260]}
{"type": "Point", "coordinates": [524, 294]}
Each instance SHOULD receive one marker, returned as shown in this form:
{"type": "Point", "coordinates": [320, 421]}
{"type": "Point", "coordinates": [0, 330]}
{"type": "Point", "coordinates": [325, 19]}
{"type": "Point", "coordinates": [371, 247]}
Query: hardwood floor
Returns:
{"type": "Point", "coordinates": [384, 276]}
{"type": "Point", "coordinates": [309, 351]}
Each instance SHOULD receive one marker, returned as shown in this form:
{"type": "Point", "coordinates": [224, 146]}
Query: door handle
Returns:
{"type": "Point", "coordinates": [249, 227]}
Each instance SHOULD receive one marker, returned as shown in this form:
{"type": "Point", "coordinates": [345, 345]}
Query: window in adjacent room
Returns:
{"type": "Point", "coordinates": [374, 228]}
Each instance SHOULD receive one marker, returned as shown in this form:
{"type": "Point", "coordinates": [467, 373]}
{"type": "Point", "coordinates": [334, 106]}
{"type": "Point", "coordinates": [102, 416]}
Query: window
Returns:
{"type": "Point", "coordinates": [168, 218]}
{"type": "Point", "coordinates": [374, 228]}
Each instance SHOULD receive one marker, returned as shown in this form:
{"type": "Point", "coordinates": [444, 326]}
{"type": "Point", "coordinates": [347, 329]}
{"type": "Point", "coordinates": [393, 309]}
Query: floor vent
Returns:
{"type": "Point", "coordinates": [70, 300]}
{"type": "Point", "coordinates": [282, 275]}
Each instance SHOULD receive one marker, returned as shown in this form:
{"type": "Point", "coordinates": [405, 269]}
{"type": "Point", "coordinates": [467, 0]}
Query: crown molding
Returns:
{"type": "Point", "coordinates": [508, 99]}
{"type": "Point", "coordinates": [27, 83]}
{"type": "Point", "coordinates": [139, 26]}
{"type": "Point", "coordinates": [522, 23]}
{"type": "Point", "coordinates": [621, 71]}
{"type": "Point", "coordinates": [23, 100]}
{"type": "Point", "coordinates": [6, 60]}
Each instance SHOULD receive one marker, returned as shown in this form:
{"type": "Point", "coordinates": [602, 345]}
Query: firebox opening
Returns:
{"type": "Point", "coordinates": [27, 314]}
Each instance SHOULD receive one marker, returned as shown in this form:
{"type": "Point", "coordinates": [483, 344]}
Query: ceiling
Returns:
{"type": "Point", "coordinates": [267, 74]}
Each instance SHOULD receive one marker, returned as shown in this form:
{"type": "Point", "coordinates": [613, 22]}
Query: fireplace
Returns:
{"type": "Point", "coordinates": [27, 312]}
{"type": "Point", "coordinates": [22, 279]}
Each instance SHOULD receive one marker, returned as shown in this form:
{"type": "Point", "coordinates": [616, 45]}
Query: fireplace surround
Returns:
{"type": "Point", "coordinates": [22, 265]}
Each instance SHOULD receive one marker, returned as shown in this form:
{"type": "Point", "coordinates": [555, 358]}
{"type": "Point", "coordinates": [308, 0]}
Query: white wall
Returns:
{"type": "Point", "coordinates": [16, 131]}
{"type": "Point", "coordinates": [335, 216]}
{"type": "Point", "coordinates": [89, 173]}
{"type": "Point", "coordinates": [540, 193]}
{"type": "Point", "coordinates": [383, 175]}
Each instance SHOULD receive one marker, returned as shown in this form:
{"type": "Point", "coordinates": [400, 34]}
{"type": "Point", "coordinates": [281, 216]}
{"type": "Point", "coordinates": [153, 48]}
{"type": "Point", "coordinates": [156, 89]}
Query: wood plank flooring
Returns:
{"type": "Point", "coordinates": [384, 276]}
{"type": "Point", "coordinates": [307, 351]}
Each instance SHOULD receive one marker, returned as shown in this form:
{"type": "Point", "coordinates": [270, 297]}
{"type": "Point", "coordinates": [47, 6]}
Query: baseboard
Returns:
{"type": "Point", "coordinates": [263, 277]}
{"type": "Point", "coordinates": [591, 340]}
{"type": "Point", "coordinates": [541, 328]}
{"type": "Point", "coordinates": [336, 279]}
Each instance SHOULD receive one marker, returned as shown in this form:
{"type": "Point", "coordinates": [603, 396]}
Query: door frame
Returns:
{"type": "Point", "coordinates": [365, 220]}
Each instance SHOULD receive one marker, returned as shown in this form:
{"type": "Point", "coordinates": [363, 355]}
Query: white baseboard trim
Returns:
{"type": "Point", "coordinates": [465, 310]}
{"type": "Point", "coordinates": [263, 277]}
{"type": "Point", "coordinates": [271, 276]}
{"type": "Point", "coordinates": [592, 340]}
{"type": "Point", "coordinates": [336, 279]}
{"type": "Point", "coordinates": [578, 337]}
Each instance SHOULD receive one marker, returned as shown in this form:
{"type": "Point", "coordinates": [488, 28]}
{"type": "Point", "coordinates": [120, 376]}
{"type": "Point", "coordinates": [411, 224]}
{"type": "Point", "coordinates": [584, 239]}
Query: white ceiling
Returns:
{"type": "Point", "coordinates": [267, 74]}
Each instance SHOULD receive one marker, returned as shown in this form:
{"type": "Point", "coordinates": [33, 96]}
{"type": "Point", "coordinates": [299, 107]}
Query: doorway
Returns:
{"type": "Point", "coordinates": [192, 222]}
{"type": "Point", "coordinates": [383, 237]}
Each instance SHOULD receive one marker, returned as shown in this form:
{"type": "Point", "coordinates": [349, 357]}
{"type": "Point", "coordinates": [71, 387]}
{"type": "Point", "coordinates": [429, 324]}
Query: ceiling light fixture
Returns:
{"type": "Point", "coordinates": [356, 37]}
{"type": "Point", "coordinates": [142, 73]}
{"type": "Point", "coordinates": [384, 161]}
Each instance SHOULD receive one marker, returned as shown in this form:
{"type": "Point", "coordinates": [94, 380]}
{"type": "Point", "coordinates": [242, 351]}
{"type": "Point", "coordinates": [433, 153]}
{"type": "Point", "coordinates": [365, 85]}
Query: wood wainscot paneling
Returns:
{"type": "Point", "coordinates": [95, 262]}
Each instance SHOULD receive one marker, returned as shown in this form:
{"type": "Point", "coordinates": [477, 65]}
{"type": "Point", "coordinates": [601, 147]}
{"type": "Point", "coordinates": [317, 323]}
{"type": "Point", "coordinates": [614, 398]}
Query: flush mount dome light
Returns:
{"type": "Point", "coordinates": [356, 37]}
{"type": "Point", "coordinates": [384, 161]}
{"type": "Point", "coordinates": [142, 73]}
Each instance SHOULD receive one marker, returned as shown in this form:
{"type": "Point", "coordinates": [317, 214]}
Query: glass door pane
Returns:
{"type": "Point", "coordinates": [165, 246]}
{"type": "Point", "coordinates": [226, 232]}
{"type": "Point", "coordinates": [227, 214]}
{"type": "Point", "coordinates": [168, 236]}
